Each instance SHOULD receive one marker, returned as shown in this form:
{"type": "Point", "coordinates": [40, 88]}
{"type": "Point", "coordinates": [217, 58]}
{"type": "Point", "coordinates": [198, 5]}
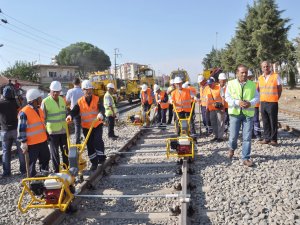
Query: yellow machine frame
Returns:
{"type": "Point", "coordinates": [140, 113]}
{"type": "Point", "coordinates": [183, 135]}
{"type": "Point", "coordinates": [66, 196]}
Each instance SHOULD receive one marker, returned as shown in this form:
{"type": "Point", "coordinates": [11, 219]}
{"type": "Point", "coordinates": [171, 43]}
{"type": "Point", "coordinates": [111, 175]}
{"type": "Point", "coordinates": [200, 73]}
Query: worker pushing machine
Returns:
{"type": "Point", "coordinates": [170, 89]}
{"type": "Point", "coordinates": [146, 101]}
{"type": "Point", "coordinates": [55, 111]}
{"type": "Point", "coordinates": [111, 111]}
{"type": "Point", "coordinates": [32, 132]}
{"type": "Point", "coordinates": [193, 93]}
{"type": "Point", "coordinates": [89, 108]}
{"type": "Point", "coordinates": [161, 99]}
{"type": "Point", "coordinates": [181, 98]}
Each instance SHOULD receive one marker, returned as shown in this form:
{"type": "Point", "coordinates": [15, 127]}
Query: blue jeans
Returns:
{"type": "Point", "coordinates": [247, 125]}
{"type": "Point", "coordinates": [8, 137]}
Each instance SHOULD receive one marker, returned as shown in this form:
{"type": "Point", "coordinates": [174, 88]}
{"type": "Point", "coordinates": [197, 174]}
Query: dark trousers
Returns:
{"type": "Point", "coordinates": [181, 115]}
{"type": "Point", "coordinates": [163, 115]}
{"type": "Point", "coordinates": [170, 114]}
{"type": "Point", "coordinates": [158, 114]}
{"type": "Point", "coordinates": [95, 144]}
{"type": "Point", "coordinates": [38, 152]}
{"type": "Point", "coordinates": [269, 114]}
{"type": "Point", "coordinates": [256, 125]}
{"type": "Point", "coordinates": [77, 124]}
{"type": "Point", "coordinates": [58, 142]}
{"type": "Point", "coordinates": [111, 126]}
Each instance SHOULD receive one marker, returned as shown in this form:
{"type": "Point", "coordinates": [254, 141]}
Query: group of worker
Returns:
{"type": "Point", "coordinates": [42, 123]}
{"type": "Point", "coordinates": [224, 105]}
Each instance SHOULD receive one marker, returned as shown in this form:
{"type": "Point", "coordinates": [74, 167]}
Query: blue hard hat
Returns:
{"type": "Point", "coordinates": [210, 81]}
{"type": "Point", "coordinates": [7, 92]}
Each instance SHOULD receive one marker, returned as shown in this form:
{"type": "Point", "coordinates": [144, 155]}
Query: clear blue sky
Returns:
{"type": "Point", "coordinates": [166, 34]}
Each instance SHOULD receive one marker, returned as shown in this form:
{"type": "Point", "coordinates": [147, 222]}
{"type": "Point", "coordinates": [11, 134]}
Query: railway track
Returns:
{"type": "Point", "coordinates": [136, 185]}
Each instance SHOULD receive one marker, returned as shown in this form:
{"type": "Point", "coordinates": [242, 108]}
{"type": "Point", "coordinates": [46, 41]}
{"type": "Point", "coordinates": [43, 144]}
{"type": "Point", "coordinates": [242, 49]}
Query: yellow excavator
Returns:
{"type": "Point", "coordinates": [130, 89]}
{"type": "Point", "coordinates": [180, 73]}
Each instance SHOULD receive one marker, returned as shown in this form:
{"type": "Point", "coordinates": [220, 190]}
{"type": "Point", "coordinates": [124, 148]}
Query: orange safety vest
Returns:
{"type": "Point", "coordinates": [88, 113]}
{"type": "Point", "coordinates": [192, 90]}
{"type": "Point", "coordinates": [258, 103]}
{"type": "Point", "coordinates": [146, 96]}
{"type": "Point", "coordinates": [203, 95]}
{"type": "Point", "coordinates": [162, 94]}
{"type": "Point", "coordinates": [35, 130]}
{"type": "Point", "coordinates": [268, 90]}
{"type": "Point", "coordinates": [213, 95]}
{"type": "Point", "coordinates": [182, 100]}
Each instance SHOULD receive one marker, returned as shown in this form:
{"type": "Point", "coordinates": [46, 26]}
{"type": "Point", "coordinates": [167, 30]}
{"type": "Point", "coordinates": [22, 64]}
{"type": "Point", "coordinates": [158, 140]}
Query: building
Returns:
{"type": "Point", "coordinates": [126, 71]}
{"type": "Point", "coordinates": [49, 73]}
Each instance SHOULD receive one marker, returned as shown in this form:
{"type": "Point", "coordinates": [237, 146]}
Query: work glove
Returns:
{"type": "Point", "coordinates": [100, 116]}
{"type": "Point", "coordinates": [195, 98]}
{"type": "Point", "coordinates": [24, 147]}
{"type": "Point", "coordinates": [69, 118]}
{"type": "Point", "coordinates": [159, 101]}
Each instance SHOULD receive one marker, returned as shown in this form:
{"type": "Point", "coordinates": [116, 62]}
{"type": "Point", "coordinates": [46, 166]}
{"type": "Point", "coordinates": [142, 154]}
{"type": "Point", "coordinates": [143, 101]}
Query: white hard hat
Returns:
{"type": "Point", "coordinates": [156, 88]}
{"type": "Point", "coordinates": [144, 87]}
{"type": "Point", "coordinates": [187, 82]}
{"type": "Point", "coordinates": [32, 94]}
{"type": "Point", "coordinates": [177, 80]}
{"type": "Point", "coordinates": [200, 78]}
{"type": "Point", "coordinates": [55, 86]}
{"type": "Point", "coordinates": [185, 85]}
{"type": "Point", "coordinates": [222, 76]}
{"type": "Point", "coordinates": [250, 73]}
{"type": "Point", "coordinates": [86, 84]}
{"type": "Point", "coordinates": [171, 81]}
{"type": "Point", "coordinates": [110, 85]}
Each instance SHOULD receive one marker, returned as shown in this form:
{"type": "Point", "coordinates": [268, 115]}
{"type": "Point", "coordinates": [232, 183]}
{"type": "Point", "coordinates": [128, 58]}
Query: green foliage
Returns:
{"type": "Point", "coordinates": [87, 56]}
{"type": "Point", "coordinates": [21, 70]}
{"type": "Point", "coordinates": [298, 48]}
{"type": "Point", "coordinates": [212, 59]}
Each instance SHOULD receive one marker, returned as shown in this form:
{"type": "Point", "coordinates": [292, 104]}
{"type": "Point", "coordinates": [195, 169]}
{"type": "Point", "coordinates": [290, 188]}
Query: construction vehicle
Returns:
{"type": "Point", "coordinates": [180, 73]}
{"type": "Point", "coordinates": [99, 81]}
{"type": "Point", "coordinates": [212, 72]}
{"type": "Point", "coordinates": [146, 75]}
{"type": "Point", "coordinates": [55, 191]}
{"type": "Point", "coordinates": [130, 89]}
{"type": "Point", "coordinates": [182, 146]}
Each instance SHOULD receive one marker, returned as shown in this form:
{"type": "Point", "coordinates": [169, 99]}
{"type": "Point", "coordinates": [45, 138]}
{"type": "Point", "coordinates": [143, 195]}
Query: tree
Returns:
{"type": "Point", "coordinates": [87, 56]}
{"type": "Point", "coordinates": [228, 57]}
{"type": "Point", "coordinates": [212, 59]}
{"type": "Point", "coordinates": [298, 48]}
{"type": "Point", "coordinates": [262, 35]}
{"type": "Point", "coordinates": [21, 70]}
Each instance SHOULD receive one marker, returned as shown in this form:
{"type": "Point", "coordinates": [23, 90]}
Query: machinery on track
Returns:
{"type": "Point", "coordinates": [55, 190]}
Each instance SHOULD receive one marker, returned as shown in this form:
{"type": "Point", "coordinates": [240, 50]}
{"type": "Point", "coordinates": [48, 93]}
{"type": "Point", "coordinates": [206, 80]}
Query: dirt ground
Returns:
{"type": "Point", "coordinates": [290, 100]}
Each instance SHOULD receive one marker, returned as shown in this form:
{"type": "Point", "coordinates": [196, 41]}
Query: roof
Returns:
{"type": "Point", "coordinates": [56, 66]}
{"type": "Point", "coordinates": [4, 80]}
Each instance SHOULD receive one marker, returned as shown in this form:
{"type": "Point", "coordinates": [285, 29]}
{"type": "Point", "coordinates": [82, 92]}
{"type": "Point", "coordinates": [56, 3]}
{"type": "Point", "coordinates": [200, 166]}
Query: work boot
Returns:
{"type": "Point", "coordinates": [93, 167]}
{"type": "Point", "coordinates": [264, 142]}
{"type": "Point", "coordinates": [248, 163]}
{"type": "Point", "coordinates": [230, 153]}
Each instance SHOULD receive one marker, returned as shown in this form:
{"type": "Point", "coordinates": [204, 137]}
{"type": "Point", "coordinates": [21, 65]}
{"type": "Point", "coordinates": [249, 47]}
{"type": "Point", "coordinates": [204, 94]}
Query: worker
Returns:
{"type": "Point", "coordinates": [9, 122]}
{"type": "Point", "coordinates": [157, 115]}
{"type": "Point", "coordinates": [146, 101]}
{"type": "Point", "coordinates": [216, 109]}
{"type": "Point", "coordinates": [72, 97]}
{"type": "Point", "coordinates": [170, 89]}
{"type": "Point", "coordinates": [181, 98]}
{"type": "Point", "coordinates": [55, 111]}
{"type": "Point", "coordinates": [89, 107]}
{"type": "Point", "coordinates": [32, 132]}
{"type": "Point", "coordinates": [162, 101]}
{"type": "Point", "coordinates": [241, 95]}
{"type": "Point", "coordinates": [270, 88]}
{"type": "Point", "coordinates": [256, 131]}
{"type": "Point", "coordinates": [110, 110]}
{"type": "Point", "coordinates": [222, 81]}
{"type": "Point", "coordinates": [205, 114]}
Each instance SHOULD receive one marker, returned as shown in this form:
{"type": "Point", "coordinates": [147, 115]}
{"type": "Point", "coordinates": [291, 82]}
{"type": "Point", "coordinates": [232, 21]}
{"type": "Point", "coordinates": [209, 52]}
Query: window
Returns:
{"type": "Point", "coordinates": [52, 74]}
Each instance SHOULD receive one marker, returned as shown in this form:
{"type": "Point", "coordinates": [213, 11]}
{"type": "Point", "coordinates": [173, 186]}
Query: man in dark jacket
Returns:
{"type": "Point", "coordinates": [9, 123]}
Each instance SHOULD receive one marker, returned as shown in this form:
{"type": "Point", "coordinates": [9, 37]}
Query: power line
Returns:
{"type": "Point", "coordinates": [65, 42]}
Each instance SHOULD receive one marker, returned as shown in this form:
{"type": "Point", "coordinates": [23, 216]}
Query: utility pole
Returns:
{"type": "Point", "coordinates": [116, 54]}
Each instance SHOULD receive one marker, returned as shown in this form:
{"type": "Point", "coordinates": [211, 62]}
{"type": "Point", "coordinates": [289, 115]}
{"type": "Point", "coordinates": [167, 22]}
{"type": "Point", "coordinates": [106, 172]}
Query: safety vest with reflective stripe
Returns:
{"type": "Point", "coordinates": [203, 95]}
{"type": "Point", "coordinates": [55, 115]}
{"type": "Point", "coordinates": [212, 96]}
{"type": "Point", "coordinates": [35, 130]}
{"type": "Point", "coordinates": [161, 96]}
{"type": "Point", "coordinates": [268, 90]}
{"type": "Point", "coordinates": [182, 100]}
{"type": "Point", "coordinates": [258, 103]}
{"type": "Point", "coordinates": [109, 99]}
{"type": "Point", "coordinates": [193, 91]}
{"type": "Point", "coordinates": [88, 113]}
{"type": "Point", "coordinates": [236, 92]}
{"type": "Point", "coordinates": [146, 96]}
